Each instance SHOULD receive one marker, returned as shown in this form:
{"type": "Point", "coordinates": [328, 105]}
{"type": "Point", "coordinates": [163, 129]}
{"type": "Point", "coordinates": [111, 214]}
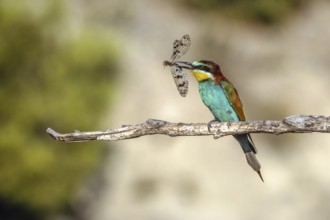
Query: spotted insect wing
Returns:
{"type": "Point", "coordinates": [180, 79]}
{"type": "Point", "coordinates": [180, 47]}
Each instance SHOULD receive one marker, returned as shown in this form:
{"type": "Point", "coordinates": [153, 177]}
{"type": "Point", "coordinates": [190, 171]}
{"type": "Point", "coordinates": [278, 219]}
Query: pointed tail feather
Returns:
{"type": "Point", "coordinates": [254, 163]}
{"type": "Point", "coordinates": [250, 151]}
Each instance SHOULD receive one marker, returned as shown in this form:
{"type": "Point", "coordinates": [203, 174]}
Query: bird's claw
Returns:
{"type": "Point", "coordinates": [209, 125]}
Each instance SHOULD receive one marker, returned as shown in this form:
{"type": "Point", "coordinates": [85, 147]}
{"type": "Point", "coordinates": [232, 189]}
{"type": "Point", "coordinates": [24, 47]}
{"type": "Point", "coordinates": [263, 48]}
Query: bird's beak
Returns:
{"type": "Point", "coordinates": [185, 65]}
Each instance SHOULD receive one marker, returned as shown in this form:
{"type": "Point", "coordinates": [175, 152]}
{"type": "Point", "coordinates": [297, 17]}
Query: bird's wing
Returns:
{"type": "Point", "coordinates": [235, 102]}
{"type": "Point", "coordinates": [233, 98]}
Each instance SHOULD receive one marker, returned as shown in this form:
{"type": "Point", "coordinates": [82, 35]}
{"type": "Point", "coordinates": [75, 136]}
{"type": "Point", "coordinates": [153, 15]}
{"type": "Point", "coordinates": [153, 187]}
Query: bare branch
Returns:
{"type": "Point", "coordinates": [291, 124]}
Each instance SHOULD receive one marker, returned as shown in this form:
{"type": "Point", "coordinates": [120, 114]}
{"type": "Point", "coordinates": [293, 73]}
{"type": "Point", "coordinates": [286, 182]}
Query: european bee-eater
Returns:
{"type": "Point", "coordinates": [221, 97]}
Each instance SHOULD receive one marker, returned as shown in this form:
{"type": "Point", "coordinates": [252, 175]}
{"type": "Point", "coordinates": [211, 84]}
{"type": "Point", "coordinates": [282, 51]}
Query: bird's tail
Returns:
{"type": "Point", "coordinates": [254, 163]}
{"type": "Point", "coordinates": [250, 152]}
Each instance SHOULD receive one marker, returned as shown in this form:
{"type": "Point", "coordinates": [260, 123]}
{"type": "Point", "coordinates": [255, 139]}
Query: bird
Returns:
{"type": "Point", "coordinates": [222, 99]}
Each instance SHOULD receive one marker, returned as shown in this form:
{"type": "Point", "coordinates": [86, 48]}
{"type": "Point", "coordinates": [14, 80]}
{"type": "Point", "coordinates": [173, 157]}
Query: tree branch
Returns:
{"type": "Point", "coordinates": [291, 124]}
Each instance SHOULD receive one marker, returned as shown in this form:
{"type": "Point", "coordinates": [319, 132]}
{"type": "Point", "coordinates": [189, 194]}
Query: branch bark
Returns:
{"type": "Point", "coordinates": [291, 124]}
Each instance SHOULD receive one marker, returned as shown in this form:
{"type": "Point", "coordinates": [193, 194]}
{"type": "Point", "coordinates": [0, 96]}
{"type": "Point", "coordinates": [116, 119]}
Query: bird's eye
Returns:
{"type": "Point", "coordinates": [202, 67]}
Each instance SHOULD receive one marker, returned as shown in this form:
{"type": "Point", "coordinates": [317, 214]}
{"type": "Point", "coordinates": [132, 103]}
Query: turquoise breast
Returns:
{"type": "Point", "coordinates": [215, 99]}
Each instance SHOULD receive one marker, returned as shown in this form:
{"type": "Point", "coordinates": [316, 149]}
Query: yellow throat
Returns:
{"type": "Point", "coordinates": [201, 75]}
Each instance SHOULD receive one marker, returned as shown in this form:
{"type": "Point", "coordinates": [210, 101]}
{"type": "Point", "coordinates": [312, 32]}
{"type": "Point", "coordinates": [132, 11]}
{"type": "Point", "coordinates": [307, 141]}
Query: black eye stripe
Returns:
{"type": "Point", "coordinates": [202, 67]}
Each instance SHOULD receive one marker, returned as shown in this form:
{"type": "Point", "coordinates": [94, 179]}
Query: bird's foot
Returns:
{"type": "Point", "coordinates": [209, 125]}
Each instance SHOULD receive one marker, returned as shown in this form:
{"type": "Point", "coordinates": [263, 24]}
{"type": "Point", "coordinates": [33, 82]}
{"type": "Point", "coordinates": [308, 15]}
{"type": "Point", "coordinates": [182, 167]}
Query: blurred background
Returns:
{"type": "Point", "coordinates": [93, 65]}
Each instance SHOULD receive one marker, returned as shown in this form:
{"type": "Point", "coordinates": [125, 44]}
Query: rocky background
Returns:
{"type": "Point", "coordinates": [279, 70]}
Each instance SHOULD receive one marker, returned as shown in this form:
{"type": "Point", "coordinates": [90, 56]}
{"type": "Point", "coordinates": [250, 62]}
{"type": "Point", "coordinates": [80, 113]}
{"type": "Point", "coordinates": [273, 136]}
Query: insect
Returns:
{"type": "Point", "coordinates": [180, 48]}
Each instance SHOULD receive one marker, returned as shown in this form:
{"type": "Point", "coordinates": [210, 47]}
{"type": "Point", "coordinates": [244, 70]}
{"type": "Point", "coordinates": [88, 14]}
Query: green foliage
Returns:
{"type": "Point", "coordinates": [264, 11]}
{"type": "Point", "coordinates": [49, 79]}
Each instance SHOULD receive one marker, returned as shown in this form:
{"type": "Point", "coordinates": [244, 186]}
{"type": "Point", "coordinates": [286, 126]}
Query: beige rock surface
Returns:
{"type": "Point", "coordinates": [278, 72]}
